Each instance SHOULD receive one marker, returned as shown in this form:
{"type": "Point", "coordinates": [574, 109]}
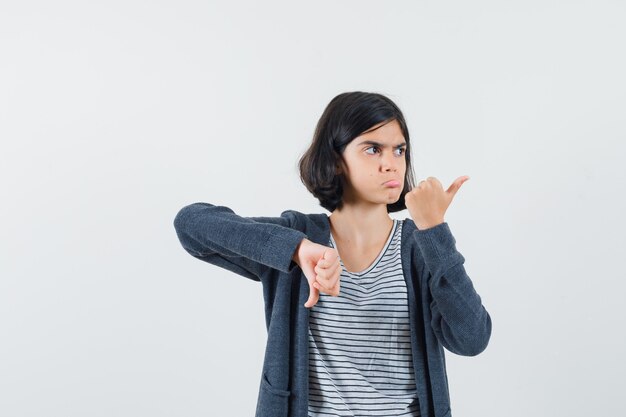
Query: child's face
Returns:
{"type": "Point", "coordinates": [367, 166]}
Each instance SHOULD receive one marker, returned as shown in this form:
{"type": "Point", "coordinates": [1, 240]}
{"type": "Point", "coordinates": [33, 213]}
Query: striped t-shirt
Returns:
{"type": "Point", "coordinates": [360, 361]}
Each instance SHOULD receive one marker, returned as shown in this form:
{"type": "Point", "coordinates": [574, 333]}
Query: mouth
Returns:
{"type": "Point", "coordinates": [392, 183]}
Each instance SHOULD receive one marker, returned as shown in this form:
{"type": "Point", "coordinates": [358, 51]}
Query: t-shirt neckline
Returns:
{"type": "Point", "coordinates": [378, 258]}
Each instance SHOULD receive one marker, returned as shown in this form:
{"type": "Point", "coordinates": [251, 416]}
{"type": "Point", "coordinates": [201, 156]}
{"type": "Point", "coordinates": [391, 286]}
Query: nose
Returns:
{"type": "Point", "coordinates": [390, 162]}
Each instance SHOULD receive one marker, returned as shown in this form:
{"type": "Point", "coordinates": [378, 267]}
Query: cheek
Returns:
{"type": "Point", "coordinates": [361, 179]}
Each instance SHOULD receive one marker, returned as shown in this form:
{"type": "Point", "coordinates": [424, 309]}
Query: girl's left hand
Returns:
{"type": "Point", "coordinates": [427, 202]}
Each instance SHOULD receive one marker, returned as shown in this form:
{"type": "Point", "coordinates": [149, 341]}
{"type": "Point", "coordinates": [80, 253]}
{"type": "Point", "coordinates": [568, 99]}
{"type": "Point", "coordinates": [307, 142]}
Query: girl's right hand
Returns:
{"type": "Point", "coordinates": [320, 264]}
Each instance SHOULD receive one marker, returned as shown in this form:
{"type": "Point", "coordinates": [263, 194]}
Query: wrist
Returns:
{"type": "Point", "coordinates": [296, 253]}
{"type": "Point", "coordinates": [424, 226]}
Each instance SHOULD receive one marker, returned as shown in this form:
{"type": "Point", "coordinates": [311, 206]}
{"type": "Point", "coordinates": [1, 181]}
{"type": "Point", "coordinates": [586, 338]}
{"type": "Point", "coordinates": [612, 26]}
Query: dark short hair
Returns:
{"type": "Point", "coordinates": [347, 116]}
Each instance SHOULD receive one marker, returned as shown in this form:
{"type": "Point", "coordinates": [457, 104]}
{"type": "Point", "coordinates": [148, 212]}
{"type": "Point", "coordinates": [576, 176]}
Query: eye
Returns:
{"type": "Point", "coordinates": [402, 150]}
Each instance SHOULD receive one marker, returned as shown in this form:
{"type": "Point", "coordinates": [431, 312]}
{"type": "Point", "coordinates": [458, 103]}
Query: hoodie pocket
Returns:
{"type": "Point", "coordinates": [273, 402]}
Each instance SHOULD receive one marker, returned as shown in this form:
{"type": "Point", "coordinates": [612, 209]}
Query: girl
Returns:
{"type": "Point", "coordinates": [383, 296]}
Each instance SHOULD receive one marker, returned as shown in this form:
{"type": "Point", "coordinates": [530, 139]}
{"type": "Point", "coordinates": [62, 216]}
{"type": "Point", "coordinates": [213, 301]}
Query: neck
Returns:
{"type": "Point", "coordinates": [360, 226]}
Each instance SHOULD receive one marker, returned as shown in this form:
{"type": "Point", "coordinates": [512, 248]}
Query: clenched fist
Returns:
{"type": "Point", "coordinates": [320, 264]}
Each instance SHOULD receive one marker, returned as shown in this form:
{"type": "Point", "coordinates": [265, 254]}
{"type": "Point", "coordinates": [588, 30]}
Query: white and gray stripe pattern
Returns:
{"type": "Point", "coordinates": [360, 361]}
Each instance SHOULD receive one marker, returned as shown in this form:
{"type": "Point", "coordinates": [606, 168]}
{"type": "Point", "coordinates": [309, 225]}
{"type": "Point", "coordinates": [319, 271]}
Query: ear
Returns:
{"type": "Point", "coordinates": [339, 167]}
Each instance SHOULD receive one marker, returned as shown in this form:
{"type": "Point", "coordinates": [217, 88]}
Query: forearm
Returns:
{"type": "Point", "coordinates": [459, 319]}
{"type": "Point", "coordinates": [204, 229]}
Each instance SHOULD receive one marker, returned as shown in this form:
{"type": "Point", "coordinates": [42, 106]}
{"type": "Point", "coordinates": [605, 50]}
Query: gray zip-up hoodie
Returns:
{"type": "Point", "coordinates": [445, 311]}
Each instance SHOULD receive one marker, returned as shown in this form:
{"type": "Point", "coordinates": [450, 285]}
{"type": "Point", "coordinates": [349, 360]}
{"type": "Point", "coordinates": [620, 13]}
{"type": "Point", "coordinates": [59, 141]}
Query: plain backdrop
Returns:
{"type": "Point", "coordinates": [114, 115]}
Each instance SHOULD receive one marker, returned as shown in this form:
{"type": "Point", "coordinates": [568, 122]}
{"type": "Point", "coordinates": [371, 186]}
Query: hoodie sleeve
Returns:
{"type": "Point", "coordinates": [248, 246]}
{"type": "Point", "coordinates": [458, 318]}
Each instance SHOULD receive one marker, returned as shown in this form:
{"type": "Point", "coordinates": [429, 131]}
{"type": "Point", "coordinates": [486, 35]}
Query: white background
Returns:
{"type": "Point", "coordinates": [113, 116]}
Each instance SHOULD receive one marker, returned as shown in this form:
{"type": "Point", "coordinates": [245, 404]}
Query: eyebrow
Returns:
{"type": "Point", "coordinates": [371, 142]}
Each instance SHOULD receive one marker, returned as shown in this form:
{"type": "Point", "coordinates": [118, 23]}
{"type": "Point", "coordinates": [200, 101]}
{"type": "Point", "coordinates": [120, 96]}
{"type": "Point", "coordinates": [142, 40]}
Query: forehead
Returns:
{"type": "Point", "coordinates": [382, 134]}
